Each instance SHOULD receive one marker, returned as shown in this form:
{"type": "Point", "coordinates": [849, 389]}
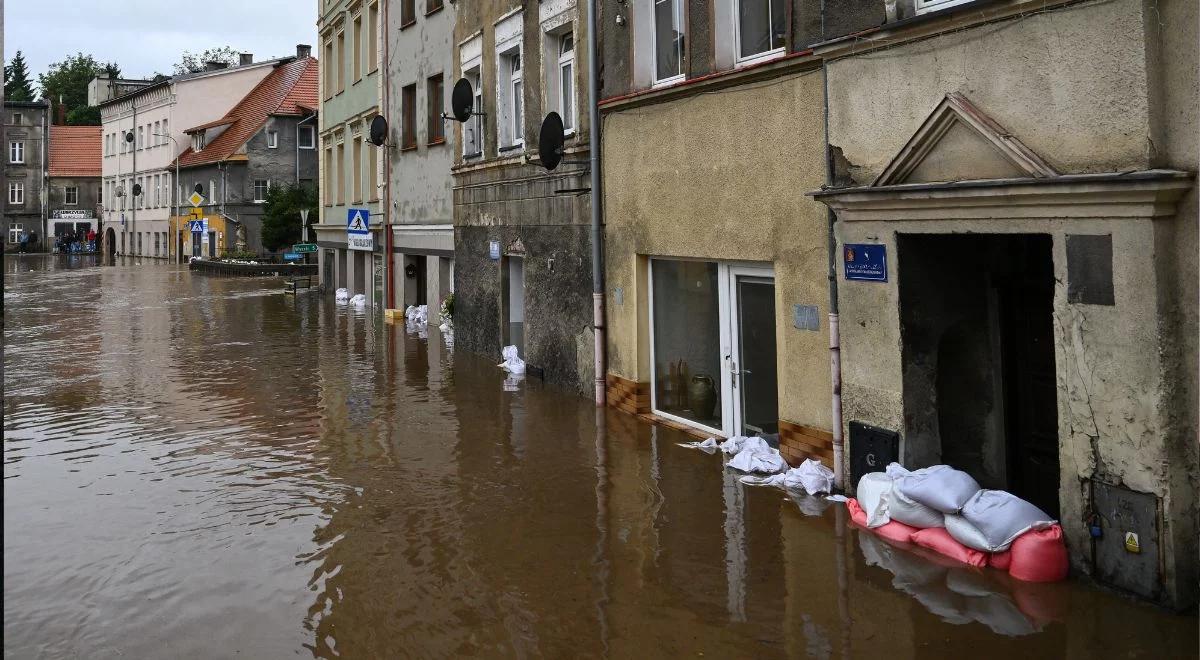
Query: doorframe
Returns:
{"type": "Point", "coordinates": [736, 271]}
{"type": "Point", "coordinates": [727, 274]}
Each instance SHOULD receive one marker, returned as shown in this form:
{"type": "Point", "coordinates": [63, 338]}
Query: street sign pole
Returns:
{"type": "Point", "coordinates": [303, 223]}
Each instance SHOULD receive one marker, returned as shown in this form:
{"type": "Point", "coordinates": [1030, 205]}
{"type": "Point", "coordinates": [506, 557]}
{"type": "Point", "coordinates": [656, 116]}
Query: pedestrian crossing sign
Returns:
{"type": "Point", "coordinates": [358, 221]}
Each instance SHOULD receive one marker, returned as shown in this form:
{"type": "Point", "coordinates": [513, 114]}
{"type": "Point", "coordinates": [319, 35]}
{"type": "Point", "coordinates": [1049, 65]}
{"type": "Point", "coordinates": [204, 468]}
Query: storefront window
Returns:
{"type": "Point", "coordinates": [687, 340]}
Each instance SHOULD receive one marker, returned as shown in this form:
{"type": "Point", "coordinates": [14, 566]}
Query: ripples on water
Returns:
{"type": "Point", "coordinates": [203, 467]}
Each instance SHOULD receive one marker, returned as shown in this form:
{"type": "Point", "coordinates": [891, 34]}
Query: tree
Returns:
{"type": "Point", "coordinates": [87, 115]}
{"type": "Point", "coordinates": [281, 214]}
{"type": "Point", "coordinates": [17, 85]}
{"type": "Point", "coordinates": [192, 63]}
{"type": "Point", "coordinates": [66, 82]}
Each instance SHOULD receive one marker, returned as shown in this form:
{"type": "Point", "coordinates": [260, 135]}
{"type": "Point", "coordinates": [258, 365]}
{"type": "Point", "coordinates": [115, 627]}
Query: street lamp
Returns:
{"type": "Point", "coordinates": [177, 187]}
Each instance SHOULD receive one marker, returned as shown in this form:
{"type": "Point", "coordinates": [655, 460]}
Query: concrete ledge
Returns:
{"type": "Point", "coordinates": [252, 270]}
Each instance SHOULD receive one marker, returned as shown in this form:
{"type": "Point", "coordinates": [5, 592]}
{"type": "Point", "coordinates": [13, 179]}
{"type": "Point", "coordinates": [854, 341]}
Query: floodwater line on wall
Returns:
{"type": "Point", "coordinates": [600, 361]}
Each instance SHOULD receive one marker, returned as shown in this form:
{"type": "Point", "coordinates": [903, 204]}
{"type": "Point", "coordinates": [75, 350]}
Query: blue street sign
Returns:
{"type": "Point", "coordinates": [200, 226]}
{"type": "Point", "coordinates": [358, 221]}
{"type": "Point", "coordinates": [865, 261]}
{"type": "Point", "coordinates": [291, 256]}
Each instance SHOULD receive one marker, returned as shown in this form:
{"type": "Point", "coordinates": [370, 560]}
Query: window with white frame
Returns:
{"type": "Point", "coordinates": [197, 140]}
{"type": "Point", "coordinates": [923, 6]}
{"type": "Point", "coordinates": [307, 138]}
{"type": "Point", "coordinates": [260, 189]}
{"type": "Point", "coordinates": [157, 134]}
{"type": "Point", "coordinates": [511, 99]}
{"type": "Point", "coordinates": [272, 139]}
{"type": "Point", "coordinates": [71, 196]}
{"type": "Point", "coordinates": [16, 192]}
{"type": "Point", "coordinates": [566, 80]}
{"type": "Point", "coordinates": [141, 137]}
{"type": "Point", "coordinates": [212, 191]}
{"type": "Point", "coordinates": [473, 128]}
{"type": "Point", "coordinates": [668, 41]}
{"type": "Point", "coordinates": [157, 191]}
{"type": "Point", "coordinates": [14, 230]}
{"type": "Point", "coordinates": [16, 152]}
{"type": "Point", "coordinates": [761, 28]}
{"type": "Point", "coordinates": [165, 131]}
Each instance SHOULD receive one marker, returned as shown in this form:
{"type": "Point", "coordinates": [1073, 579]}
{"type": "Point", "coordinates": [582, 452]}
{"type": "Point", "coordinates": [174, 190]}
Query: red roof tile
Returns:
{"type": "Point", "coordinates": [285, 91]}
{"type": "Point", "coordinates": [75, 150]}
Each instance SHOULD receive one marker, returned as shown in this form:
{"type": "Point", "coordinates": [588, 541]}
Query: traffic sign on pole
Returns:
{"type": "Point", "coordinates": [304, 247]}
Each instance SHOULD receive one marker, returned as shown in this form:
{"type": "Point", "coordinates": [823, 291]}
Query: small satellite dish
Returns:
{"type": "Point", "coordinates": [129, 136]}
{"type": "Point", "coordinates": [199, 188]}
{"type": "Point", "coordinates": [379, 130]}
{"type": "Point", "coordinates": [137, 190]}
{"type": "Point", "coordinates": [550, 141]}
{"type": "Point", "coordinates": [462, 100]}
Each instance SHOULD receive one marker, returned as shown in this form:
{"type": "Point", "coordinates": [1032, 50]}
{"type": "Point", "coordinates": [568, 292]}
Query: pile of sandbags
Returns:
{"type": "Point", "coordinates": [342, 296]}
{"type": "Point", "coordinates": [944, 510]}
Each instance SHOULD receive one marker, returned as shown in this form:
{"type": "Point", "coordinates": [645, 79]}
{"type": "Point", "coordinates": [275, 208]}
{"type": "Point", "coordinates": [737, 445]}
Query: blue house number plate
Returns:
{"type": "Point", "coordinates": [865, 261]}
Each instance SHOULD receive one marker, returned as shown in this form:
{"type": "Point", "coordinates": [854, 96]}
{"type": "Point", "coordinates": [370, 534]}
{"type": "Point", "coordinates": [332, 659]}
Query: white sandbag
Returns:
{"type": "Point", "coordinates": [512, 361]}
{"type": "Point", "coordinates": [773, 480]}
{"type": "Point", "coordinates": [938, 486]}
{"type": "Point", "coordinates": [358, 300]}
{"type": "Point", "coordinates": [912, 513]}
{"type": "Point", "coordinates": [757, 456]}
{"type": "Point", "coordinates": [708, 446]}
{"type": "Point", "coordinates": [733, 445]}
{"type": "Point", "coordinates": [1001, 516]}
{"type": "Point", "coordinates": [961, 530]}
{"type": "Point", "coordinates": [874, 489]}
{"type": "Point", "coordinates": [341, 295]}
{"type": "Point", "coordinates": [812, 476]}
{"type": "Point", "coordinates": [895, 470]}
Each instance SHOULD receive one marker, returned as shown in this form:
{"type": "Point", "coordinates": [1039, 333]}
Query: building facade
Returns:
{"type": "Point", "coordinates": [351, 166]}
{"type": "Point", "coordinates": [420, 68]}
{"type": "Point", "coordinates": [143, 133]}
{"type": "Point", "coordinates": [267, 139]}
{"type": "Point", "coordinates": [1031, 317]}
{"type": "Point", "coordinates": [24, 174]}
{"type": "Point", "coordinates": [717, 271]}
{"type": "Point", "coordinates": [74, 175]}
{"type": "Point", "coordinates": [522, 243]}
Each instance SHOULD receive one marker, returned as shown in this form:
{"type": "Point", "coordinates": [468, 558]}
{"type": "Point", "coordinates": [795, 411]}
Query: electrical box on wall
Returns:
{"type": "Point", "coordinates": [1127, 553]}
{"type": "Point", "coordinates": [871, 449]}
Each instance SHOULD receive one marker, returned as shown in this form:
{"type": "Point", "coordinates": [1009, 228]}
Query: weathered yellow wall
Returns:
{"type": "Point", "coordinates": [722, 176]}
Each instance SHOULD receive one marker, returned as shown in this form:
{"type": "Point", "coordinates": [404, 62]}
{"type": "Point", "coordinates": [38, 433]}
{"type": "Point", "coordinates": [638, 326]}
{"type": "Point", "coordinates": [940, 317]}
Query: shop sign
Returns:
{"type": "Point", "coordinates": [865, 261]}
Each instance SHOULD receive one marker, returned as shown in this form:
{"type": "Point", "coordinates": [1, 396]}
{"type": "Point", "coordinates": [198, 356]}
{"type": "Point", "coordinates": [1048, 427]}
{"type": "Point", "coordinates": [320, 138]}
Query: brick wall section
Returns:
{"type": "Point", "coordinates": [798, 443]}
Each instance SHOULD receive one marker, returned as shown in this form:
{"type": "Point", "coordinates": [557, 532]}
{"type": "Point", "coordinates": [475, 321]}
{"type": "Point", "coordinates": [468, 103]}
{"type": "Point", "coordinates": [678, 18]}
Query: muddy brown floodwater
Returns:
{"type": "Point", "coordinates": [199, 467]}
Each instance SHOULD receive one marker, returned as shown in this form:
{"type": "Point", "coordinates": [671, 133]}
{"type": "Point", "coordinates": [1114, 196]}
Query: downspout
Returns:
{"type": "Point", "coordinates": [133, 179]}
{"type": "Point", "coordinates": [389, 279]}
{"type": "Point", "coordinates": [45, 191]}
{"type": "Point", "coordinates": [596, 206]}
{"type": "Point", "coordinates": [835, 342]}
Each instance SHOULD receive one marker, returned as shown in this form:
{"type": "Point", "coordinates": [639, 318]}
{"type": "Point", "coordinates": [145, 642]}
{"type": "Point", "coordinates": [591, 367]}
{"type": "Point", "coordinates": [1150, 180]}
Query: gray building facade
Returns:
{"type": "Point", "coordinates": [24, 171]}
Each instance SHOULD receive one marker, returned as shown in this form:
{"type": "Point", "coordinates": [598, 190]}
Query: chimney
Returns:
{"type": "Point", "coordinates": [303, 51]}
{"type": "Point", "coordinates": [61, 112]}
{"type": "Point", "coordinates": [245, 59]}
{"type": "Point", "coordinates": [213, 65]}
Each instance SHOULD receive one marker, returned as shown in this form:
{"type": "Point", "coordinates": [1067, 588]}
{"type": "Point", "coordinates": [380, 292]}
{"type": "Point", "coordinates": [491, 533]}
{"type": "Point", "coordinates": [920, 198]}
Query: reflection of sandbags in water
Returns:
{"type": "Point", "coordinates": [1042, 602]}
{"type": "Point", "coordinates": [998, 612]}
{"type": "Point", "coordinates": [809, 505]}
{"type": "Point", "coordinates": [906, 568]}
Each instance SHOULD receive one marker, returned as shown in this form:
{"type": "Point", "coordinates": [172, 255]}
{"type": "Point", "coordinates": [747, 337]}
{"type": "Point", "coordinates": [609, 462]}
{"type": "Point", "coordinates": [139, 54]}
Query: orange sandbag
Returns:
{"type": "Point", "coordinates": [1000, 560]}
{"type": "Point", "coordinates": [940, 541]}
{"type": "Point", "coordinates": [1039, 555]}
{"type": "Point", "coordinates": [857, 515]}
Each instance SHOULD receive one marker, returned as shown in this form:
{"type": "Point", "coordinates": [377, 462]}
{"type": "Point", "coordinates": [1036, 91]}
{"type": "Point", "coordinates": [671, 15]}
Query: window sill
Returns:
{"type": "Point", "coordinates": [511, 147]}
{"type": "Point", "coordinates": [759, 58]}
{"type": "Point", "coordinates": [667, 82]}
{"type": "Point", "coordinates": [436, 142]}
{"type": "Point", "coordinates": [473, 156]}
{"type": "Point", "coordinates": [405, 26]}
{"type": "Point", "coordinates": [431, 12]}
{"type": "Point", "coordinates": [356, 82]}
{"type": "Point", "coordinates": [408, 147]}
{"type": "Point", "coordinates": [373, 71]}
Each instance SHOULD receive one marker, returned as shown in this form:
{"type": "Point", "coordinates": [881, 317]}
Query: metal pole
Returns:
{"type": "Point", "coordinates": [175, 192]}
{"type": "Point", "coordinates": [601, 364]}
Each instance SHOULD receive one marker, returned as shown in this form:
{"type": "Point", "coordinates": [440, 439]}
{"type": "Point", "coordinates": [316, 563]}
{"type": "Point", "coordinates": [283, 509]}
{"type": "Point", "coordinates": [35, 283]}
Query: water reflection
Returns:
{"type": "Point", "coordinates": [201, 466]}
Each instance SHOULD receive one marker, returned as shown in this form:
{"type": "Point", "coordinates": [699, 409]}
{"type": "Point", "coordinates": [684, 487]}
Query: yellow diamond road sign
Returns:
{"type": "Point", "coordinates": [196, 199]}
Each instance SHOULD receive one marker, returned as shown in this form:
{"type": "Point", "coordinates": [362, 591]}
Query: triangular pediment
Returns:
{"type": "Point", "coordinates": [957, 142]}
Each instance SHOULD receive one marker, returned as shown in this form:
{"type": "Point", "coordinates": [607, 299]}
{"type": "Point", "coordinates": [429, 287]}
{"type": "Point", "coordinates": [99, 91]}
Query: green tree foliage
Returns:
{"type": "Point", "coordinates": [281, 214]}
{"type": "Point", "coordinates": [67, 81]}
{"type": "Point", "coordinates": [194, 62]}
{"type": "Point", "coordinates": [84, 115]}
{"type": "Point", "coordinates": [17, 85]}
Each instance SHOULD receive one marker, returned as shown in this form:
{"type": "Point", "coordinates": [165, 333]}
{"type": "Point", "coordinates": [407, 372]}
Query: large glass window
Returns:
{"type": "Point", "coordinates": [685, 312]}
{"type": "Point", "coordinates": [760, 27]}
{"type": "Point", "coordinates": [566, 79]}
{"type": "Point", "coordinates": [473, 129]}
{"type": "Point", "coordinates": [668, 39]}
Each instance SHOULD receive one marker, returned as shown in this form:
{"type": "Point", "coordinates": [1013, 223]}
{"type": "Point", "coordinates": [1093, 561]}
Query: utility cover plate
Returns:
{"type": "Point", "coordinates": [1128, 516]}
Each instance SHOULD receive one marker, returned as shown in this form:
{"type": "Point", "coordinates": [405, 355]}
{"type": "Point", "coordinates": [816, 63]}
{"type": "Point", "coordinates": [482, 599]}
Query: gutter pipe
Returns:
{"type": "Point", "coordinates": [835, 340]}
{"type": "Point", "coordinates": [389, 284]}
{"type": "Point", "coordinates": [601, 363]}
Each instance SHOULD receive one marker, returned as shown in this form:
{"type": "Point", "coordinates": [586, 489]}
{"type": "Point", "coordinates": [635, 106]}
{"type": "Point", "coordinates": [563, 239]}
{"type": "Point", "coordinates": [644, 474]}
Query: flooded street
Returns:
{"type": "Point", "coordinates": [202, 467]}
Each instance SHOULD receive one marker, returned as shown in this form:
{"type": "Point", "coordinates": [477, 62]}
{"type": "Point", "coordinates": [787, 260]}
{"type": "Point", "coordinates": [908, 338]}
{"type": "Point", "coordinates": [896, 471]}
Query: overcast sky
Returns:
{"type": "Point", "coordinates": [148, 36]}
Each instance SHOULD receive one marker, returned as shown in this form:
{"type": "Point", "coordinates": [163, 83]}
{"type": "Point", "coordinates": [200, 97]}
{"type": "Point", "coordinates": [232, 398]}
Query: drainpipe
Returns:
{"type": "Point", "coordinates": [133, 179]}
{"type": "Point", "coordinates": [835, 340]}
{"type": "Point", "coordinates": [601, 364]}
{"type": "Point", "coordinates": [44, 193]}
{"type": "Point", "coordinates": [389, 278]}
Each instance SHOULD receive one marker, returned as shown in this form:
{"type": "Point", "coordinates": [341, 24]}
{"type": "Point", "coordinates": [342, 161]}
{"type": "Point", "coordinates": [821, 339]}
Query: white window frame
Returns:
{"type": "Point", "coordinates": [926, 6]}
{"type": "Point", "coordinates": [566, 75]}
{"type": "Point", "coordinates": [14, 231]}
{"type": "Point", "coordinates": [312, 137]}
{"type": "Point", "coordinates": [157, 139]}
{"type": "Point", "coordinates": [516, 97]}
{"type": "Point", "coordinates": [212, 192]}
{"type": "Point", "coordinates": [755, 58]}
{"type": "Point", "coordinates": [16, 152]}
{"type": "Point", "coordinates": [16, 192]}
{"type": "Point", "coordinates": [198, 141]}
{"type": "Point", "coordinates": [510, 81]}
{"type": "Point", "coordinates": [679, 15]}
{"type": "Point", "coordinates": [272, 139]}
{"type": "Point", "coordinates": [266, 188]}
{"type": "Point", "coordinates": [141, 138]}
{"type": "Point", "coordinates": [67, 194]}
{"type": "Point", "coordinates": [475, 123]}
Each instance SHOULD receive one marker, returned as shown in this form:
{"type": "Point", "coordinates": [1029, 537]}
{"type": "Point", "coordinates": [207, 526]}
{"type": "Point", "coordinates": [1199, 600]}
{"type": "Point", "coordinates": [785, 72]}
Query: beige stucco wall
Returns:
{"type": "Point", "coordinates": [1087, 89]}
{"type": "Point", "coordinates": [701, 177]}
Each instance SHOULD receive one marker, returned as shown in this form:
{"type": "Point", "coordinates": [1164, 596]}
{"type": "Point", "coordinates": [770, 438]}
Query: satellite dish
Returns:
{"type": "Point", "coordinates": [137, 189]}
{"type": "Point", "coordinates": [462, 100]}
{"type": "Point", "coordinates": [550, 141]}
{"type": "Point", "coordinates": [129, 136]}
{"type": "Point", "coordinates": [199, 188]}
{"type": "Point", "coordinates": [379, 129]}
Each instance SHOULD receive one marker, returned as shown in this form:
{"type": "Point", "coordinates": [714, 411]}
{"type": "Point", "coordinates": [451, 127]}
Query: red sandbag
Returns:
{"type": "Point", "coordinates": [893, 531]}
{"type": "Point", "coordinates": [1039, 555]}
{"type": "Point", "coordinates": [940, 541]}
{"type": "Point", "coordinates": [1000, 560]}
{"type": "Point", "coordinates": [857, 515]}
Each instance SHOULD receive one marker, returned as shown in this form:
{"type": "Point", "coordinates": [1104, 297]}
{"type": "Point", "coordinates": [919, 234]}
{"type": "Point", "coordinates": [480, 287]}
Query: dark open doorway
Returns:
{"type": "Point", "coordinates": [976, 318]}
